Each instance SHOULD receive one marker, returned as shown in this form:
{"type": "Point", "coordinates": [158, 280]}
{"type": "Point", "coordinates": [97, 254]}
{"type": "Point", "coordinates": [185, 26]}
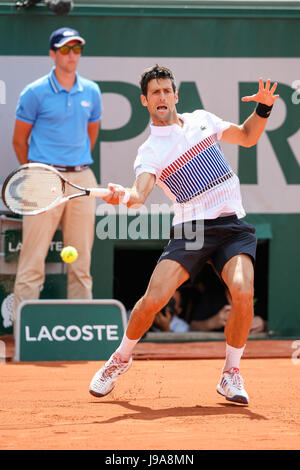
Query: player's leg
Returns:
{"type": "Point", "coordinates": [238, 274]}
{"type": "Point", "coordinates": [166, 278]}
{"type": "Point", "coordinates": [78, 226]}
{"type": "Point", "coordinates": [37, 233]}
{"type": "Point", "coordinates": [233, 260]}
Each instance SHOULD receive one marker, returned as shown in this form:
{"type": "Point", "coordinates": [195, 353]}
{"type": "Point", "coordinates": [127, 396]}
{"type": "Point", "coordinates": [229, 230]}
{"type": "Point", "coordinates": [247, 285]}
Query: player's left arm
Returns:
{"type": "Point", "coordinates": [93, 130]}
{"type": "Point", "coordinates": [248, 133]}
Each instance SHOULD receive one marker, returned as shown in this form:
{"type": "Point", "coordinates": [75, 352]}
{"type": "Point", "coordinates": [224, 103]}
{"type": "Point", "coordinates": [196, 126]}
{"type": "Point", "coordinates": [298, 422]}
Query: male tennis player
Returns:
{"type": "Point", "coordinates": [183, 156]}
{"type": "Point", "coordinates": [57, 123]}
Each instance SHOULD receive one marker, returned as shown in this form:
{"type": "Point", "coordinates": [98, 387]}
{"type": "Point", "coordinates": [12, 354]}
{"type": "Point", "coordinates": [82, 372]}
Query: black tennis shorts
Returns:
{"type": "Point", "coordinates": [215, 240]}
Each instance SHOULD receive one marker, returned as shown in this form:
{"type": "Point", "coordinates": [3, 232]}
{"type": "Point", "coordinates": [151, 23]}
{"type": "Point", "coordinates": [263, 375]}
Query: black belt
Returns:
{"type": "Point", "coordinates": [70, 168]}
{"type": "Point", "coordinates": [65, 167]}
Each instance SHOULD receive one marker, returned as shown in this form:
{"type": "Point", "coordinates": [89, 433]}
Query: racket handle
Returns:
{"type": "Point", "coordinates": [99, 192]}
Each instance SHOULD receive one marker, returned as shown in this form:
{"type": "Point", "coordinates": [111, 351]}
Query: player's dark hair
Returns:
{"type": "Point", "coordinates": [155, 72]}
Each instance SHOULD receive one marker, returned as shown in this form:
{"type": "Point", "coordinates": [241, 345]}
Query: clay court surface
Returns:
{"type": "Point", "coordinates": [166, 401]}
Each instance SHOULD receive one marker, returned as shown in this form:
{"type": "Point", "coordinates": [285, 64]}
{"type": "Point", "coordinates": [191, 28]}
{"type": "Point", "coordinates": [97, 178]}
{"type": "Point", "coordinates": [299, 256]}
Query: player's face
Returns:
{"type": "Point", "coordinates": [161, 101]}
{"type": "Point", "coordinates": [66, 62]}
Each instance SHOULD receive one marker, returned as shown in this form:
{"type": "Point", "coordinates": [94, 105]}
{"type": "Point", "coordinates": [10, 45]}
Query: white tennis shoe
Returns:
{"type": "Point", "coordinates": [105, 379]}
{"type": "Point", "coordinates": [231, 386]}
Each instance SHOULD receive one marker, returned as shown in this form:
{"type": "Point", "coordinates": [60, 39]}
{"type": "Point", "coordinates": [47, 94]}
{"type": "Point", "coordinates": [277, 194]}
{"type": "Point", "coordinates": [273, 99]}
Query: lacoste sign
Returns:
{"type": "Point", "coordinates": [13, 245]}
{"type": "Point", "coordinates": [50, 330]}
{"type": "Point", "coordinates": [73, 333]}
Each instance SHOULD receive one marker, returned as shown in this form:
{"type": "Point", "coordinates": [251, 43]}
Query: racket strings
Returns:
{"type": "Point", "coordinates": [32, 189]}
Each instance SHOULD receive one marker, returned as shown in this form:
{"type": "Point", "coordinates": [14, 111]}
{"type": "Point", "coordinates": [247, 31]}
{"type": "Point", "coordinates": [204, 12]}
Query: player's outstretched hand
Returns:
{"type": "Point", "coordinates": [265, 95]}
{"type": "Point", "coordinates": [117, 194]}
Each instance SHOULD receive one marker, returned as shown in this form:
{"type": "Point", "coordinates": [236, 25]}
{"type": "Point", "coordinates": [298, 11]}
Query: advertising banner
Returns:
{"type": "Point", "coordinates": [269, 172]}
{"type": "Point", "coordinates": [68, 330]}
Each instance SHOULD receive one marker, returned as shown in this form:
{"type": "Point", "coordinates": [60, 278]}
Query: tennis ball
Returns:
{"type": "Point", "coordinates": [69, 254]}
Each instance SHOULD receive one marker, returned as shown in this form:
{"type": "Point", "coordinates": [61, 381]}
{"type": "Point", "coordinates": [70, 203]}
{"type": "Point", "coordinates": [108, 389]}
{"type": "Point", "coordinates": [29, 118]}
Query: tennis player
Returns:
{"type": "Point", "coordinates": [183, 156]}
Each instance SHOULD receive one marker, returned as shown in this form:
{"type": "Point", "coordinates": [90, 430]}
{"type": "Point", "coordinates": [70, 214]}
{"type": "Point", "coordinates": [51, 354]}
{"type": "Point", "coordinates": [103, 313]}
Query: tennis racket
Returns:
{"type": "Point", "coordinates": [35, 188]}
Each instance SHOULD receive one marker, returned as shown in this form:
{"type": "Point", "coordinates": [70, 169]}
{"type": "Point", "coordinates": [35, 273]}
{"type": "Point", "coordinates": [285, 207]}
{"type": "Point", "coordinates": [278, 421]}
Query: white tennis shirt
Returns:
{"type": "Point", "coordinates": [191, 168]}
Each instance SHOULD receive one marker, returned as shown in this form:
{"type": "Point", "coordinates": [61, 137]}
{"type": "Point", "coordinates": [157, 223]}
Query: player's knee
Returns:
{"type": "Point", "coordinates": [151, 304]}
{"type": "Point", "coordinates": [242, 294]}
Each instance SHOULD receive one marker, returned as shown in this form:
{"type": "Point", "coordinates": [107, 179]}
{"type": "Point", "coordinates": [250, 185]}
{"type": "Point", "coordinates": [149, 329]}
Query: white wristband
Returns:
{"type": "Point", "coordinates": [126, 196]}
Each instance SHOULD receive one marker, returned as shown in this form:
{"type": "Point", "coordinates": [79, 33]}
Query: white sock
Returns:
{"type": "Point", "coordinates": [126, 348]}
{"type": "Point", "coordinates": [233, 357]}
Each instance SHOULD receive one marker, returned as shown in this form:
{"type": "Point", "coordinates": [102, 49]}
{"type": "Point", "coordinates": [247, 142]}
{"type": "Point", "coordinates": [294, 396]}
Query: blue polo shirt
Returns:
{"type": "Point", "coordinates": [60, 119]}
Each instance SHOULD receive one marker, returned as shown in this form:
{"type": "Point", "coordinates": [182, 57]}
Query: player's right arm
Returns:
{"type": "Point", "coordinates": [135, 196]}
{"type": "Point", "coordinates": [21, 135]}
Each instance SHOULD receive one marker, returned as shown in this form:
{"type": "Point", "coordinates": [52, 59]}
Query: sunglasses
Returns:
{"type": "Point", "coordinates": [64, 50]}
